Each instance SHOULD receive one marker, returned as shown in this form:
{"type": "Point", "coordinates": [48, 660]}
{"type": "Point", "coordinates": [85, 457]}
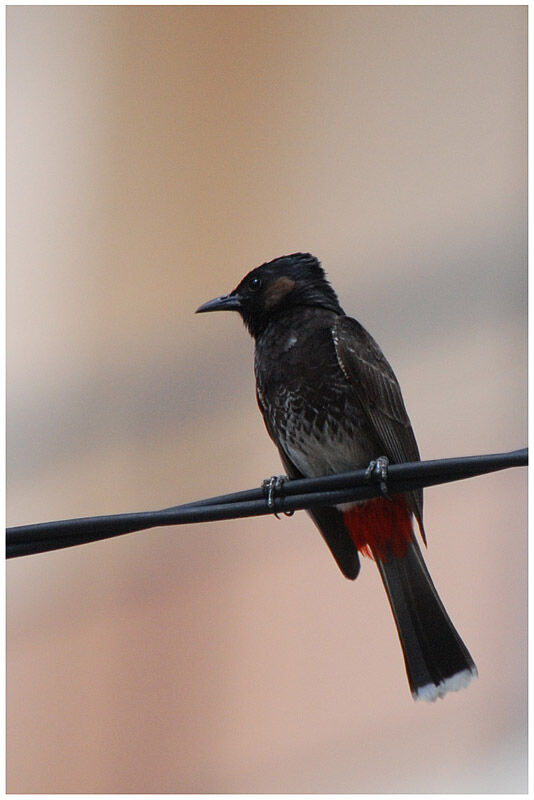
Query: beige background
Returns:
{"type": "Point", "coordinates": [155, 154]}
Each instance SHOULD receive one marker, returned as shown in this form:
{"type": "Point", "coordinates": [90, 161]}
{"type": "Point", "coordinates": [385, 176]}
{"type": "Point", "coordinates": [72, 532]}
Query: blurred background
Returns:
{"type": "Point", "coordinates": [155, 155]}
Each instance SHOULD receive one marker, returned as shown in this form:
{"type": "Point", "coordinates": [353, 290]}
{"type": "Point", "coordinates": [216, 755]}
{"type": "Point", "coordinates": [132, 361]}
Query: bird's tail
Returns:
{"type": "Point", "coordinates": [437, 661]}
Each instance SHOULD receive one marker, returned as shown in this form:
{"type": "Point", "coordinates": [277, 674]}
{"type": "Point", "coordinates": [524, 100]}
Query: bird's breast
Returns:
{"type": "Point", "coordinates": [310, 409]}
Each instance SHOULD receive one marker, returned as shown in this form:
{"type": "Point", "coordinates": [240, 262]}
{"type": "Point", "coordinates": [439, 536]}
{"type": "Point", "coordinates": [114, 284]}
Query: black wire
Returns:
{"type": "Point", "coordinates": [292, 496]}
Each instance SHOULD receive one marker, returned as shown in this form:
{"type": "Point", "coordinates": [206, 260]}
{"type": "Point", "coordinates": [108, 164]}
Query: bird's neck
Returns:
{"type": "Point", "coordinates": [293, 317]}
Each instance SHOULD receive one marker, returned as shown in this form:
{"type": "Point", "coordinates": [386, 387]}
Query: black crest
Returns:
{"type": "Point", "coordinates": [284, 283]}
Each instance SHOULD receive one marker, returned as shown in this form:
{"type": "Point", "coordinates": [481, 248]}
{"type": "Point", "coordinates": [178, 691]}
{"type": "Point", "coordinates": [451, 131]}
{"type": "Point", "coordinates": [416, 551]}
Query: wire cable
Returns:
{"type": "Point", "coordinates": [291, 495]}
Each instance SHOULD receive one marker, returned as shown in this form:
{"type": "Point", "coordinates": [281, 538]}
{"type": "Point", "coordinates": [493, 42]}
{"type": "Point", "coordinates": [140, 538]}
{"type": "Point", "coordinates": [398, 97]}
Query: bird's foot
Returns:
{"type": "Point", "coordinates": [271, 486]}
{"type": "Point", "coordinates": [378, 470]}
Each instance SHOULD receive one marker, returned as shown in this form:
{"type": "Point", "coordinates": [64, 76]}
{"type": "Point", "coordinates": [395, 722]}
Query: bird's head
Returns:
{"type": "Point", "coordinates": [275, 287]}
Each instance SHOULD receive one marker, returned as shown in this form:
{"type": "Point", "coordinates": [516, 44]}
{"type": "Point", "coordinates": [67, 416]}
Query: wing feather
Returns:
{"type": "Point", "coordinates": [376, 387]}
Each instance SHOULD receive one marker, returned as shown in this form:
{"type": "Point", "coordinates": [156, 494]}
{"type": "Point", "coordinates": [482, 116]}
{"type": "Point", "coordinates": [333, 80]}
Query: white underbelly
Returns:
{"type": "Point", "coordinates": [325, 452]}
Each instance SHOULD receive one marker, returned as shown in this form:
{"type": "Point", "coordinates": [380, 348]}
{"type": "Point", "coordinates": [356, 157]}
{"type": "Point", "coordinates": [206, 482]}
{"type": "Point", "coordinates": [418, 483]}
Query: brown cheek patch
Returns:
{"type": "Point", "coordinates": [278, 290]}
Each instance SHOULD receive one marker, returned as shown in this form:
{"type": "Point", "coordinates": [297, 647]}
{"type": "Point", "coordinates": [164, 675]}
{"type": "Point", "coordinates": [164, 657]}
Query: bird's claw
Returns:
{"type": "Point", "coordinates": [271, 486]}
{"type": "Point", "coordinates": [378, 469]}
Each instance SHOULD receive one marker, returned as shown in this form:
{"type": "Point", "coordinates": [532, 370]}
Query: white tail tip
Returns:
{"type": "Point", "coordinates": [431, 692]}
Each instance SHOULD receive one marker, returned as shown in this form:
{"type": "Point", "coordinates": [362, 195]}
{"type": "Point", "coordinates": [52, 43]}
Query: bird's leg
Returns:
{"type": "Point", "coordinates": [270, 487]}
{"type": "Point", "coordinates": [378, 469]}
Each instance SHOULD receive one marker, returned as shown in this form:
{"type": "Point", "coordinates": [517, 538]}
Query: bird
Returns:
{"type": "Point", "coordinates": [331, 403]}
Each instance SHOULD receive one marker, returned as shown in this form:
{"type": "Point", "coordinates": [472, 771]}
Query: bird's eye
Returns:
{"type": "Point", "coordinates": [254, 284]}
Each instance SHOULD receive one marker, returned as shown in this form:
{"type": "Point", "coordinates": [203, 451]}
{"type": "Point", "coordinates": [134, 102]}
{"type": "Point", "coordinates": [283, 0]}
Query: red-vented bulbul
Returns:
{"type": "Point", "coordinates": [331, 403]}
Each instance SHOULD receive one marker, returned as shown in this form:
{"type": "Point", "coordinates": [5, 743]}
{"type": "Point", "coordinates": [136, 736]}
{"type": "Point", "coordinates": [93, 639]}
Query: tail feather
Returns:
{"type": "Point", "coordinates": [437, 661]}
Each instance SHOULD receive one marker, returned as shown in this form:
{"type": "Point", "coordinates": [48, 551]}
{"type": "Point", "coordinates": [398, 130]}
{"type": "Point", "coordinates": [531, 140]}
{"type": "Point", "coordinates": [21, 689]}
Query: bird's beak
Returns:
{"type": "Point", "coordinates": [228, 302]}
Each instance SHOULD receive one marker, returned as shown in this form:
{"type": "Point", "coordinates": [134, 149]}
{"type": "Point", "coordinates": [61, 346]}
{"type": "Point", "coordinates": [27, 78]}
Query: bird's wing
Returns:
{"type": "Point", "coordinates": [328, 519]}
{"type": "Point", "coordinates": [377, 389]}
